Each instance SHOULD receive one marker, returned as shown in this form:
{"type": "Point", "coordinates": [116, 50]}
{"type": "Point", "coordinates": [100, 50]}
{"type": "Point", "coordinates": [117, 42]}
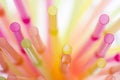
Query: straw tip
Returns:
{"type": "Point", "coordinates": [52, 10]}
{"type": "Point", "coordinates": [26, 43]}
{"type": "Point", "coordinates": [15, 26]}
{"type": "Point", "coordinates": [109, 38]}
{"type": "Point", "coordinates": [67, 49]}
{"type": "Point", "coordinates": [104, 19]}
{"type": "Point", "coordinates": [101, 63]}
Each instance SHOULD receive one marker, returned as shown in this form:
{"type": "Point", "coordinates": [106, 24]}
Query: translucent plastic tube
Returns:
{"type": "Point", "coordinates": [103, 20]}
{"type": "Point", "coordinates": [105, 45]}
{"type": "Point", "coordinates": [36, 40]}
{"type": "Point", "coordinates": [15, 28]}
{"type": "Point", "coordinates": [23, 12]}
{"type": "Point", "coordinates": [31, 51]}
{"type": "Point", "coordinates": [52, 12]}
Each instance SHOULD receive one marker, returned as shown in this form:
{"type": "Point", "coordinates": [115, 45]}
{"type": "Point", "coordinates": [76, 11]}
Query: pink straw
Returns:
{"type": "Point", "coordinates": [108, 40]}
{"type": "Point", "coordinates": [15, 28]}
{"type": "Point", "coordinates": [23, 12]}
{"type": "Point", "coordinates": [103, 20]}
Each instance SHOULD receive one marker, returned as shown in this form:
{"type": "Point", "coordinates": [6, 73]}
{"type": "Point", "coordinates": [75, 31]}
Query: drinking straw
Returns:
{"type": "Point", "coordinates": [94, 69]}
{"type": "Point", "coordinates": [52, 12]}
{"type": "Point", "coordinates": [108, 40]}
{"type": "Point", "coordinates": [16, 29]}
{"type": "Point", "coordinates": [36, 39]}
{"type": "Point", "coordinates": [22, 11]}
{"type": "Point", "coordinates": [32, 9]}
{"type": "Point", "coordinates": [31, 51]}
{"type": "Point", "coordinates": [15, 56]}
{"type": "Point", "coordinates": [86, 27]}
{"type": "Point", "coordinates": [54, 43]}
{"type": "Point", "coordinates": [8, 67]}
{"type": "Point", "coordinates": [100, 52]}
{"type": "Point", "coordinates": [33, 55]}
{"type": "Point", "coordinates": [102, 22]}
{"type": "Point", "coordinates": [5, 25]}
{"type": "Point", "coordinates": [38, 44]}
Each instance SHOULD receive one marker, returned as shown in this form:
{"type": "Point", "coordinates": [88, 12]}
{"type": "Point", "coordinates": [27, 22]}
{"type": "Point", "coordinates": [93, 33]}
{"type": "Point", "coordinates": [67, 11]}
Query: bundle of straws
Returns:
{"type": "Point", "coordinates": [86, 51]}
